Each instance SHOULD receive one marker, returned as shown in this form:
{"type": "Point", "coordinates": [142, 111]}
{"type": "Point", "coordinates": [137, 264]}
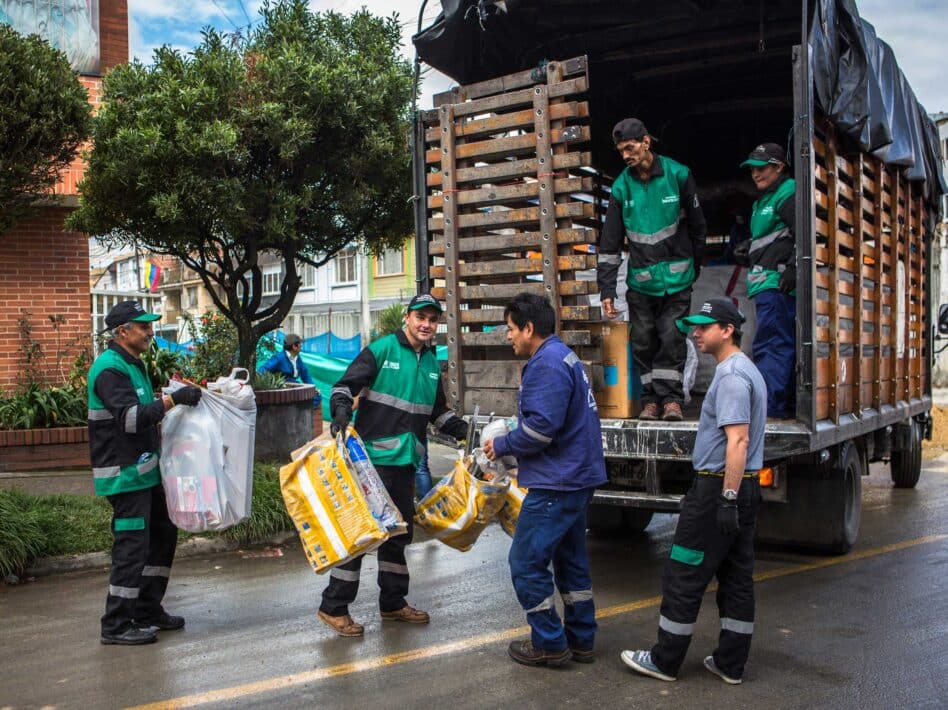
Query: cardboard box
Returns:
{"type": "Point", "coordinates": [618, 398]}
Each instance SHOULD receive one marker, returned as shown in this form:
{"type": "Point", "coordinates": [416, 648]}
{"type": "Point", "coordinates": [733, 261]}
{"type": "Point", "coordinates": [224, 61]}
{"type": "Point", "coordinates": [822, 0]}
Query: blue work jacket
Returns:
{"type": "Point", "coordinates": [281, 363]}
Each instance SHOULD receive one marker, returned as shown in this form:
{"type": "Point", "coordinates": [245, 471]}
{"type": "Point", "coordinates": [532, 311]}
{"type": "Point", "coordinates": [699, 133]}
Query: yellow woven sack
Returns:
{"type": "Point", "coordinates": [327, 505]}
{"type": "Point", "coordinates": [458, 509]}
{"type": "Point", "coordinates": [513, 501]}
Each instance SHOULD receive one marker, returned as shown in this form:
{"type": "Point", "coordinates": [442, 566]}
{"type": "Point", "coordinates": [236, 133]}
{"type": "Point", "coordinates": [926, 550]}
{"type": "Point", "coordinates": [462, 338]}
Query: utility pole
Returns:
{"type": "Point", "coordinates": [364, 298]}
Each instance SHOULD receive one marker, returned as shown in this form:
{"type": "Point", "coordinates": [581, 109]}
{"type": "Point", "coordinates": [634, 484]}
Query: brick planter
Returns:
{"type": "Point", "coordinates": [44, 449]}
{"type": "Point", "coordinates": [284, 422]}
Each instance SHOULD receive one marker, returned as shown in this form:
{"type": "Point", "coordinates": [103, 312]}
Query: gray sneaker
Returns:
{"type": "Point", "coordinates": [641, 662]}
{"type": "Point", "coordinates": [713, 667]}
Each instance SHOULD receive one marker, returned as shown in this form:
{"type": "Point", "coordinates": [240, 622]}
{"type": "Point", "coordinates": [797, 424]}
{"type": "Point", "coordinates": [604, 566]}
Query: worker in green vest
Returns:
{"type": "Point", "coordinates": [772, 276]}
{"type": "Point", "coordinates": [654, 205]}
{"type": "Point", "coordinates": [124, 444]}
{"type": "Point", "coordinates": [399, 380]}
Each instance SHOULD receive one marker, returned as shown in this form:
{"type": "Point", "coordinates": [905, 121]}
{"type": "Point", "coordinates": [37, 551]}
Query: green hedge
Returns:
{"type": "Point", "coordinates": [36, 526]}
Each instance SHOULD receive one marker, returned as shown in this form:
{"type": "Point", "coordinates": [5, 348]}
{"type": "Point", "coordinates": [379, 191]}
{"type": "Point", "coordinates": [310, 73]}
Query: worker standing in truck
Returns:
{"type": "Point", "coordinates": [772, 278]}
{"type": "Point", "coordinates": [655, 206]}
{"type": "Point", "coordinates": [715, 533]}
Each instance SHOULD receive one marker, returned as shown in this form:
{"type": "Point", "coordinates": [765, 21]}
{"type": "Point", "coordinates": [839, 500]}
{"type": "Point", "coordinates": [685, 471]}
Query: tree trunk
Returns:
{"type": "Point", "coordinates": [246, 346]}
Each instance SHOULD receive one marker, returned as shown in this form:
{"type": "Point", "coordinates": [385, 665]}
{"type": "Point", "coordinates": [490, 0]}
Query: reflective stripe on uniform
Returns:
{"type": "Point", "coordinates": [345, 575]}
{"type": "Point", "coordinates": [669, 375]}
{"type": "Point", "coordinates": [737, 626]}
{"type": "Point", "coordinates": [757, 277]}
{"type": "Point", "coordinates": [123, 592]}
{"type": "Point", "coordinates": [654, 238]}
{"type": "Point", "coordinates": [583, 595]}
{"type": "Point", "coordinates": [131, 420]}
{"type": "Point", "coordinates": [402, 404]}
{"type": "Point", "coordinates": [673, 627]}
{"type": "Point", "coordinates": [392, 567]}
{"type": "Point", "coordinates": [609, 259]}
{"type": "Point", "coordinates": [443, 419]}
{"type": "Point", "coordinates": [100, 415]}
{"type": "Point", "coordinates": [571, 359]}
{"type": "Point", "coordinates": [106, 472]}
{"type": "Point", "coordinates": [542, 606]}
{"type": "Point", "coordinates": [149, 465]}
{"type": "Point", "coordinates": [341, 390]}
{"type": "Point", "coordinates": [154, 571]}
{"type": "Point", "coordinates": [534, 434]}
{"type": "Point", "coordinates": [768, 239]}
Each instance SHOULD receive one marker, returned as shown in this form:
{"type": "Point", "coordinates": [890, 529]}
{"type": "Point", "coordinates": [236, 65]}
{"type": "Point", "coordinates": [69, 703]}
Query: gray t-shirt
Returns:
{"type": "Point", "coordinates": [737, 395]}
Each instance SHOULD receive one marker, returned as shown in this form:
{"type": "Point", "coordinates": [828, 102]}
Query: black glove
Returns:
{"type": "Point", "coordinates": [697, 269]}
{"type": "Point", "coordinates": [742, 253]}
{"type": "Point", "coordinates": [340, 420]}
{"type": "Point", "coordinates": [788, 280]}
{"type": "Point", "coordinates": [189, 395]}
{"type": "Point", "coordinates": [458, 429]}
{"type": "Point", "coordinates": [728, 522]}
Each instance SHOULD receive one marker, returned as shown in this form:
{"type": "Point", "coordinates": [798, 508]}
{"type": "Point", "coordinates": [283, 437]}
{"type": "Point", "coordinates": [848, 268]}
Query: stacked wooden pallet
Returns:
{"type": "Point", "coordinates": [510, 208]}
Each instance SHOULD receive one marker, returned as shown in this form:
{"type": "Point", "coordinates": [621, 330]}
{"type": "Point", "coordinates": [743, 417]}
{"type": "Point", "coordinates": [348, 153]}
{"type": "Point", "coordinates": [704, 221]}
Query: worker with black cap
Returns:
{"type": "Point", "coordinates": [772, 276]}
{"type": "Point", "coordinates": [399, 379]}
{"type": "Point", "coordinates": [715, 534]}
{"type": "Point", "coordinates": [288, 362]}
{"type": "Point", "coordinates": [124, 444]}
{"type": "Point", "coordinates": [655, 206]}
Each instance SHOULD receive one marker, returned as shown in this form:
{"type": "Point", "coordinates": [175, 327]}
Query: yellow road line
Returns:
{"type": "Point", "coordinates": [293, 679]}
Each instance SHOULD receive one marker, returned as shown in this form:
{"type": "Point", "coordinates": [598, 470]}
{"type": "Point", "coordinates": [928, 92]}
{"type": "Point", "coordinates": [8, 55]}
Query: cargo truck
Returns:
{"type": "Point", "coordinates": [512, 171]}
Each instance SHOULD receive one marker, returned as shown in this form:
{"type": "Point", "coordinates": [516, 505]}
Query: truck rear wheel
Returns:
{"type": "Point", "coordinates": [823, 508]}
{"type": "Point", "coordinates": [906, 464]}
{"type": "Point", "coordinates": [615, 519]}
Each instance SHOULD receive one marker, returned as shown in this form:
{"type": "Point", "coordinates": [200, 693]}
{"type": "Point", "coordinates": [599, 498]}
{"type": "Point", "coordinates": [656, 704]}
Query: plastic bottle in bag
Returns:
{"type": "Point", "coordinates": [380, 503]}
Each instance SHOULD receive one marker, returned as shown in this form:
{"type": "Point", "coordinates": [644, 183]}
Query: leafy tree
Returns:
{"type": "Point", "coordinates": [391, 319]}
{"type": "Point", "coordinates": [44, 117]}
{"type": "Point", "coordinates": [291, 141]}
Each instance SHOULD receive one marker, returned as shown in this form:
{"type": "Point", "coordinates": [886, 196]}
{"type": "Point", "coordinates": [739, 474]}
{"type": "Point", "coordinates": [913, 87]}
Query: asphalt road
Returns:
{"type": "Point", "coordinates": [866, 630]}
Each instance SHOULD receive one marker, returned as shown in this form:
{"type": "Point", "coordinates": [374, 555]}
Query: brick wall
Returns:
{"type": "Point", "coordinates": [43, 270]}
{"type": "Point", "coordinates": [113, 33]}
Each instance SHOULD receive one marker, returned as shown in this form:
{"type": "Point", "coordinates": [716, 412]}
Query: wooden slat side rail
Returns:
{"type": "Point", "coordinates": [505, 122]}
{"type": "Point", "coordinates": [450, 228]}
{"type": "Point", "coordinates": [502, 148]}
{"type": "Point", "coordinates": [577, 66]}
{"type": "Point", "coordinates": [504, 292]}
{"type": "Point", "coordinates": [877, 370]}
{"type": "Point", "coordinates": [522, 241]}
{"type": "Point", "coordinates": [858, 310]}
{"type": "Point", "coordinates": [498, 338]}
{"type": "Point", "coordinates": [832, 220]}
{"type": "Point", "coordinates": [577, 262]}
{"type": "Point", "coordinates": [543, 131]}
{"type": "Point", "coordinates": [509, 218]}
{"type": "Point", "coordinates": [528, 191]}
{"type": "Point", "coordinates": [510, 169]}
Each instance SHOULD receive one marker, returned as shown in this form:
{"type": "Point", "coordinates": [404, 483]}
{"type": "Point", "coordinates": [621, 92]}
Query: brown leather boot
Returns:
{"type": "Point", "coordinates": [672, 412]}
{"type": "Point", "coordinates": [525, 653]}
{"type": "Point", "coordinates": [342, 625]}
{"type": "Point", "coordinates": [407, 614]}
{"type": "Point", "coordinates": [649, 412]}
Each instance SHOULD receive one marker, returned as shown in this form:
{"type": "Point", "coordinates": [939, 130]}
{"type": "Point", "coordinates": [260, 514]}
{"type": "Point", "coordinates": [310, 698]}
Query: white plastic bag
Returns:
{"type": "Point", "coordinates": [207, 457]}
{"type": "Point", "coordinates": [498, 469]}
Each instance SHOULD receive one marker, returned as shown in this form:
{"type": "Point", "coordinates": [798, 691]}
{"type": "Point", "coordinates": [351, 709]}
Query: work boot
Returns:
{"type": "Point", "coordinates": [407, 614]}
{"type": "Point", "coordinates": [582, 655]}
{"type": "Point", "coordinates": [524, 652]}
{"type": "Point", "coordinates": [132, 636]}
{"type": "Point", "coordinates": [342, 625]}
{"type": "Point", "coordinates": [649, 412]}
{"type": "Point", "coordinates": [164, 622]}
{"type": "Point", "coordinates": [713, 667]}
{"type": "Point", "coordinates": [641, 662]}
{"type": "Point", "coordinates": [672, 412]}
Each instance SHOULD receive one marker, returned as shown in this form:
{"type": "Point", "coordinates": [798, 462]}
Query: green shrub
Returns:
{"type": "Point", "coordinates": [268, 381]}
{"type": "Point", "coordinates": [40, 407]}
{"type": "Point", "coordinates": [391, 319]}
{"type": "Point", "coordinates": [216, 352]}
{"type": "Point", "coordinates": [21, 537]}
{"type": "Point", "coordinates": [268, 515]}
{"type": "Point", "coordinates": [160, 365]}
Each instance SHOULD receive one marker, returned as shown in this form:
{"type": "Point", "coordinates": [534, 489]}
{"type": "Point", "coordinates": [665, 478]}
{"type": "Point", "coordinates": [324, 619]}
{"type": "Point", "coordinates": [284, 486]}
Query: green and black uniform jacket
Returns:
{"type": "Point", "coordinates": [401, 393]}
{"type": "Point", "coordinates": [773, 241]}
{"type": "Point", "coordinates": [123, 424]}
{"type": "Point", "coordinates": [665, 228]}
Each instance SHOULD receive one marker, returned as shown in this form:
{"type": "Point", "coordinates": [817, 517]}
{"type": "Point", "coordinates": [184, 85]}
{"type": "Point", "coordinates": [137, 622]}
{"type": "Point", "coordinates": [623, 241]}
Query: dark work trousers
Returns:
{"type": "Point", "coordinates": [775, 350]}
{"type": "Point", "coordinates": [343, 586]}
{"type": "Point", "coordinates": [658, 346]}
{"type": "Point", "coordinates": [699, 553]}
{"type": "Point", "coordinates": [143, 545]}
{"type": "Point", "coordinates": [552, 529]}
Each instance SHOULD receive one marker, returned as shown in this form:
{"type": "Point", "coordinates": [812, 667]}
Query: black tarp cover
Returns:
{"type": "Point", "coordinates": [856, 78]}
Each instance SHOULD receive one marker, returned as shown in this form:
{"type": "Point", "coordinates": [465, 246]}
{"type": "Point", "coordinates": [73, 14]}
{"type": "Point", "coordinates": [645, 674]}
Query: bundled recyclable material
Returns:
{"type": "Point", "coordinates": [499, 469]}
{"type": "Point", "coordinates": [380, 502]}
{"type": "Point", "coordinates": [513, 502]}
{"type": "Point", "coordinates": [460, 506]}
{"type": "Point", "coordinates": [207, 457]}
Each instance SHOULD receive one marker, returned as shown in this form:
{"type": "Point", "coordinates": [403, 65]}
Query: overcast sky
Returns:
{"type": "Point", "coordinates": [916, 29]}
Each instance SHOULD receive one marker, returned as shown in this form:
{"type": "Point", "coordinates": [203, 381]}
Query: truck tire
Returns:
{"type": "Point", "coordinates": [615, 519]}
{"type": "Point", "coordinates": [905, 466]}
{"type": "Point", "coordinates": [823, 508]}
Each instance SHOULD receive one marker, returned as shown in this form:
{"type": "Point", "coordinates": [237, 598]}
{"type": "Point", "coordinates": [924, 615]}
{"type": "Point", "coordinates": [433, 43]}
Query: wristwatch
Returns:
{"type": "Point", "coordinates": [729, 494]}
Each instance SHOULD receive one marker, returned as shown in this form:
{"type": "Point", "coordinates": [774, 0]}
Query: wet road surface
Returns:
{"type": "Point", "coordinates": [866, 630]}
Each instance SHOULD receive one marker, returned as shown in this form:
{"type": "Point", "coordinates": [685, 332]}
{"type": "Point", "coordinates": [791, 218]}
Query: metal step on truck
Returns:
{"type": "Point", "coordinates": [512, 170]}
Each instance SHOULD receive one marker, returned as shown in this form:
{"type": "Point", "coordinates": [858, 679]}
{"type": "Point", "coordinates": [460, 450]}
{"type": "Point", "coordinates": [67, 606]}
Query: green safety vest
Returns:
{"type": "Point", "coordinates": [771, 246]}
{"type": "Point", "coordinates": [394, 411]}
{"type": "Point", "coordinates": [660, 253]}
{"type": "Point", "coordinates": [110, 476]}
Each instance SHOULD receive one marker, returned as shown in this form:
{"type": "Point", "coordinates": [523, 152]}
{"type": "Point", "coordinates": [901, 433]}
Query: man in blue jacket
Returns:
{"type": "Point", "coordinates": [558, 445]}
{"type": "Point", "coordinates": [289, 363]}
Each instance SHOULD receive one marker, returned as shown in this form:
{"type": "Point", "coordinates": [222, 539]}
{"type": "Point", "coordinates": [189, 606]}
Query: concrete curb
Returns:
{"type": "Point", "coordinates": [194, 547]}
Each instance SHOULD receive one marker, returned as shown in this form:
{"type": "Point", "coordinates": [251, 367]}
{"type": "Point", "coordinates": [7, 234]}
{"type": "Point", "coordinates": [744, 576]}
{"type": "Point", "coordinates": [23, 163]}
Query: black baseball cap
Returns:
{"type": "Point", "coordinates": [630, 129]}
{"type": "Point", "coordinates": [765, 154]}
{"type": "Point", "coordinates": [425, 300]}
{"type": "Point", "coordinates": [714, 310]}
{"type": "Point", "coordinates": [290, 340]}
{"type": "Point", "coordinates": [126, 312]}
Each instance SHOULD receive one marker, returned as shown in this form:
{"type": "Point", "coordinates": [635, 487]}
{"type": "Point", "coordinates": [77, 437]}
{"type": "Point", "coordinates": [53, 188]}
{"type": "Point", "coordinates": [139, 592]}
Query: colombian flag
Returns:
{"type": "Point", "coordinates": [152, 276]}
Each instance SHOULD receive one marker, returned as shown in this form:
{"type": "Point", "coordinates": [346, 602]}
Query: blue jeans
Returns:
{"type": "Point", "coordinates": [423, 482]}
{"type": "Point", "coordinates": [552, 528]}
{"type": "Point", "coordinates": [775, 350]}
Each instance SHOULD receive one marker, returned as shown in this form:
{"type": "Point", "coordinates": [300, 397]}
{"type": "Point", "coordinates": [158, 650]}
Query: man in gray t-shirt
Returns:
{"type": "Point", "coordinates": [715, 533]}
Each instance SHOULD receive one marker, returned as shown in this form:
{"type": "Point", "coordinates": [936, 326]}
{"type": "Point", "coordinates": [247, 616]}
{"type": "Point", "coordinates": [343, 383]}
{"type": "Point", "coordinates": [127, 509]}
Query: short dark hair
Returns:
{"type": "Point", "coordinates": [736, 337]}
{"type": "Point", "coordinates": [529, 308]}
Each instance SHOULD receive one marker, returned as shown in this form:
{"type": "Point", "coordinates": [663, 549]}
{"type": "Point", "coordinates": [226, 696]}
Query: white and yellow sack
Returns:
{"type": "Point", "coordinates": [327, 505]}
{"type": "Point", "coordinates": [513, 501]}
{"type": "Point", "coordinates": [458, 509]}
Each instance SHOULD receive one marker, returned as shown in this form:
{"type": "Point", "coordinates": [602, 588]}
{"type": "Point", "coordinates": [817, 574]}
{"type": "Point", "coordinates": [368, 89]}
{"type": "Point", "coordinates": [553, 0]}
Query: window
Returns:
{"type": "Point", "coordinates": [125, 276]}
{"type": "Point", "coordinates": [390, 262]}
{"type": "Point", "coordinates": [345, 266]}
{"type": "Point", "coordinates": [271, 283]}
{"type": "Point", "coordinates": [307, 276]}
{"type": "Point", "coordinates": [190, 297]}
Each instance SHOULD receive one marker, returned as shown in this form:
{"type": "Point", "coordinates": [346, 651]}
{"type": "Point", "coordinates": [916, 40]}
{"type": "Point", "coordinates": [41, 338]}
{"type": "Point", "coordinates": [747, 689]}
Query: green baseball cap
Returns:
{"type": "Point", "coordinates": [126, 312]}
{"type": "Point", "coordinates": [425, 300]}
{"type": "Point", "coordinates": [714, 310]}
{"type": "Point", "coordinates": [765, 154]}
